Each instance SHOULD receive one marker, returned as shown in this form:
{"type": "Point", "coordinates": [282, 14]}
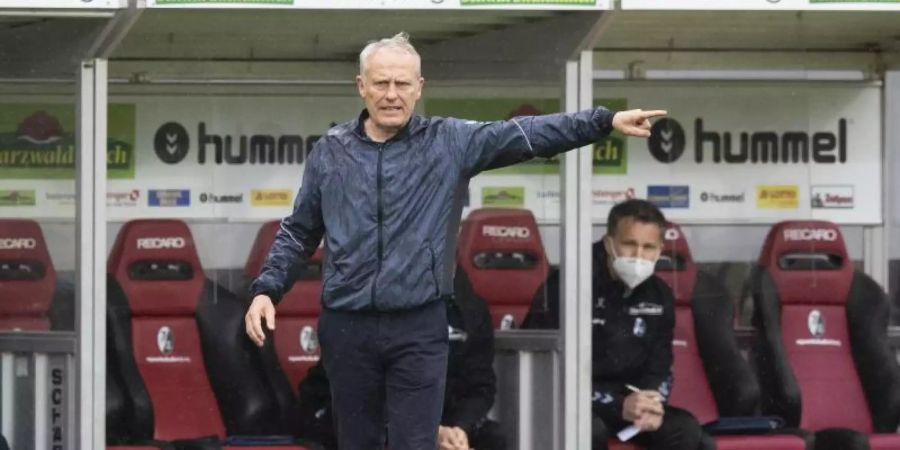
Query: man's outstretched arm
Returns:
{"type": "Point", "coordinates": [490, 145]}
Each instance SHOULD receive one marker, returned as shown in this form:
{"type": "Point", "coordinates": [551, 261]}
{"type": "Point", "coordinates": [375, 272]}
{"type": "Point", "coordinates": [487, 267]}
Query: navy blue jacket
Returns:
{"type": "Point", "coordinates": [390, 211]}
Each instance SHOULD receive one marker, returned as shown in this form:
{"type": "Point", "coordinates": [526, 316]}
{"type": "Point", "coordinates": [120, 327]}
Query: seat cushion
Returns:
{"type": "Point", "coordinates": [265, 447]}
{"type": "Point", "coordinates": [768, 442]}
{"type": "Point", "coordinates": [884, 441]}
{"type": "Point", "coordinates": [614, 444]}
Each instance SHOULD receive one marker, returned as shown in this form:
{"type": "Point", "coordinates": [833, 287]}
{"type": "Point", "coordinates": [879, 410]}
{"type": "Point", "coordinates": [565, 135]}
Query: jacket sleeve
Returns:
{"type": "Point", "coordinates": [658, 373]}
{"type": "Point", "coordinates": [490, 145]}
{"type": "Point", "coordinates": [480, 380]}
{"type": "Point", "coordinates": [608, 399]}
{"type": "Point", "coordinates": [299, 235]}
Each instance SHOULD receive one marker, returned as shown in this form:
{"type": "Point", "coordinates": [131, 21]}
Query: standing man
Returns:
{"type": "Point", "coordinates": [386, 191]}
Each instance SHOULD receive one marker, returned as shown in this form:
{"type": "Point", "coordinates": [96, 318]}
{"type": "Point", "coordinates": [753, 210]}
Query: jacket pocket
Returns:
{"type": "Point", "coordinates": [433, 269]}
{"type": "Point", "coordinates": [329, 273]}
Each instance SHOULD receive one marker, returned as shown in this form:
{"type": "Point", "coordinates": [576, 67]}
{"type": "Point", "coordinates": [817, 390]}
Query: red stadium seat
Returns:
{"type": "Point", "coordinates": [823, 356]}
{"type": "Point", "coordinates": [27, 276]}
{"type": "Point", "coordinates": [501, 256]}
{"type": "Point", "coordinates": [296, 341]}
{"type": "Point", "coordinates": [704, 343]}
{"type": "Point", "coordinates": [677, 269]}
{"type": "Point", "coordinates": [178, 343]}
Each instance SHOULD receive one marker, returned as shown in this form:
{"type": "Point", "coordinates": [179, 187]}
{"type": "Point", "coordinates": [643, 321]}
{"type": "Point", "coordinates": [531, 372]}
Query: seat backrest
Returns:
{"type": "Point", "coordinates": [155, 264]}
{"type": "Point", "coordinates": [27, 276]}
{"type": "Point", "coordinates": [501, 253]}
{"type": "Point", "coordinates": [691, 389]}
{"type": "Point", "coordinates": [296, 337]}
{"type": "Point", "coordinates": [805, 276]}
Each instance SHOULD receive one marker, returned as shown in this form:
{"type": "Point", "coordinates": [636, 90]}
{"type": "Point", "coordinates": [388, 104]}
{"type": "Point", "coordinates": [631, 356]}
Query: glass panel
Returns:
{"type": "Point", "coordinates": [38, 136]}
{"type": "Point", "coordinates": [772, 178]}
{"type": "Point", "coordinates": [37, 194]}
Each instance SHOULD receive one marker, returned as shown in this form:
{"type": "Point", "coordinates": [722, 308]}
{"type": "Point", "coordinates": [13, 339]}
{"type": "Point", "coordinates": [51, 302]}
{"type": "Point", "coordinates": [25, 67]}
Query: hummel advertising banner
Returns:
{"type": "Point", "coordinates": [733, 153]}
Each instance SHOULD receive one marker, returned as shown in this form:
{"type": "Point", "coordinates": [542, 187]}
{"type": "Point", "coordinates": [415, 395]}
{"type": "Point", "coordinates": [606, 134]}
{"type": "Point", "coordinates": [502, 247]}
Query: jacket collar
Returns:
{"type": "Point", "coordinates": [415, 124]}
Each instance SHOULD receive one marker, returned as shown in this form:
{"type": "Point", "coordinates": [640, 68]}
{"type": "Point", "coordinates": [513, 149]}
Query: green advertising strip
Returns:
{"type": "Point", "coordinates": [249, 2]}
{"type": "Point", "coordinates": [510, 196]}
{"type": "Point", "coordinates": [610, 155]}
{"type": "Point", "coordinates": [19, 197]}
{"type": "Point", "coordinates": [528, 2]}
{"type": "Point", "coordinates": [37, 141]}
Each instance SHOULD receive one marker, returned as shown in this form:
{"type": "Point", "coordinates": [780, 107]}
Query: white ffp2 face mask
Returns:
{"type": "Point", "coordinates": [631, 270]}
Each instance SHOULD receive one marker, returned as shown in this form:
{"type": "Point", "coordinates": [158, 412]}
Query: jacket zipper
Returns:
{"type": "Point", "coordinates": [380, 220]}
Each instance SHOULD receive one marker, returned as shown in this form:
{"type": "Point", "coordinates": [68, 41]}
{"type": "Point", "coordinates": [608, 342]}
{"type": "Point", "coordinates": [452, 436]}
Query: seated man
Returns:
{"type": "Point", "coordinates": [469, 394]}
{"type": "Point", "coordinates": [633, 323]}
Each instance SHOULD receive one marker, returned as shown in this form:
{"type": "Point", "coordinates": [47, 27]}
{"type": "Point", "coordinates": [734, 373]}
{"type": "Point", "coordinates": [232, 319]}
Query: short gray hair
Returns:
{"type": "Point", "coordinates": [399, 41]}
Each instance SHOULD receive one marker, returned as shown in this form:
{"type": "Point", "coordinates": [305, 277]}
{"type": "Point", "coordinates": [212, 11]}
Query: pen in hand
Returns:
{"type": "Point", "coordinates": [636, 390]}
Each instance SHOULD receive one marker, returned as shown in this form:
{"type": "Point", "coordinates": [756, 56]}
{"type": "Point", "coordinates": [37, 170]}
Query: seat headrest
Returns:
{"type": "Point", "coordinates": [27, 276]}
{"type": "Point", "coordinates": [156, 263]}
{"type": "Point", "coordinates": [676, 265]}
{"type": "Point", "coordinates": [304, 297]}
{"type": "Point", "coordinates": [260, 250]}
{"type": "Point", "coordinates": [808, 262]}
{"type": "Point", "coordinates": [502, 254]}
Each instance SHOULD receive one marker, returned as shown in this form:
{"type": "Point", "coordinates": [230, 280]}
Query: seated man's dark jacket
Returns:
{"type": "Point", "coordinates": [632, 334]}
{"type": "Point", "coordinates": [471, 382]}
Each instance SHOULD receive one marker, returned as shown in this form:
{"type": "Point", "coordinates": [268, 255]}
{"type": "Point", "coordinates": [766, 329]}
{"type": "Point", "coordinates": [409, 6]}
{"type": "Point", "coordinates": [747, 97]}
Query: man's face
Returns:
{"type": "Point", "coordinates": [637, 239]}
{"type": "Point", "coordinates": [390, 88]}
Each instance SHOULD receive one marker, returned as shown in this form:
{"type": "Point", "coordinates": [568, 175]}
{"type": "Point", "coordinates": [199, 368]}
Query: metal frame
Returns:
{"type": "Point", "coordinates": [7, 402]}
{"type": "Point", "coordinates": [90, 324]}
{"type": "Point", "coordinates": [585, 257]}
{"type": "Point", "coordinates": [890, 147]}
{"type": "Point", "coordinates": [527, 340]}
{"type": "Point", "coordinates": [114, 31]}
{"type": "Point", "coordinates": [730, 75]}
{"type": "Point", "coordinates": [41, 409]}
{"type": "Point", "coordinates": [91, 221]}
{"type": "Point", "coordinates": [44, 13]}
{"type": "Point", "coordinates": [576, 247]}
{"type": "Point", "coordinates": [568, 272]}
{"type": "Point", "coordinates": [37, 342]}
{"type": "Point", "coordinates": [25, 398]}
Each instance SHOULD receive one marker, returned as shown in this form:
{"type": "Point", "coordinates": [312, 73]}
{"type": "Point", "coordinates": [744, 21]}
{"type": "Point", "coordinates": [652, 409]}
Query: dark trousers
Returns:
{"type": "Point", "coordinates": [386, 368]}
{"type": "Point", "coordinates": [679, 431]}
